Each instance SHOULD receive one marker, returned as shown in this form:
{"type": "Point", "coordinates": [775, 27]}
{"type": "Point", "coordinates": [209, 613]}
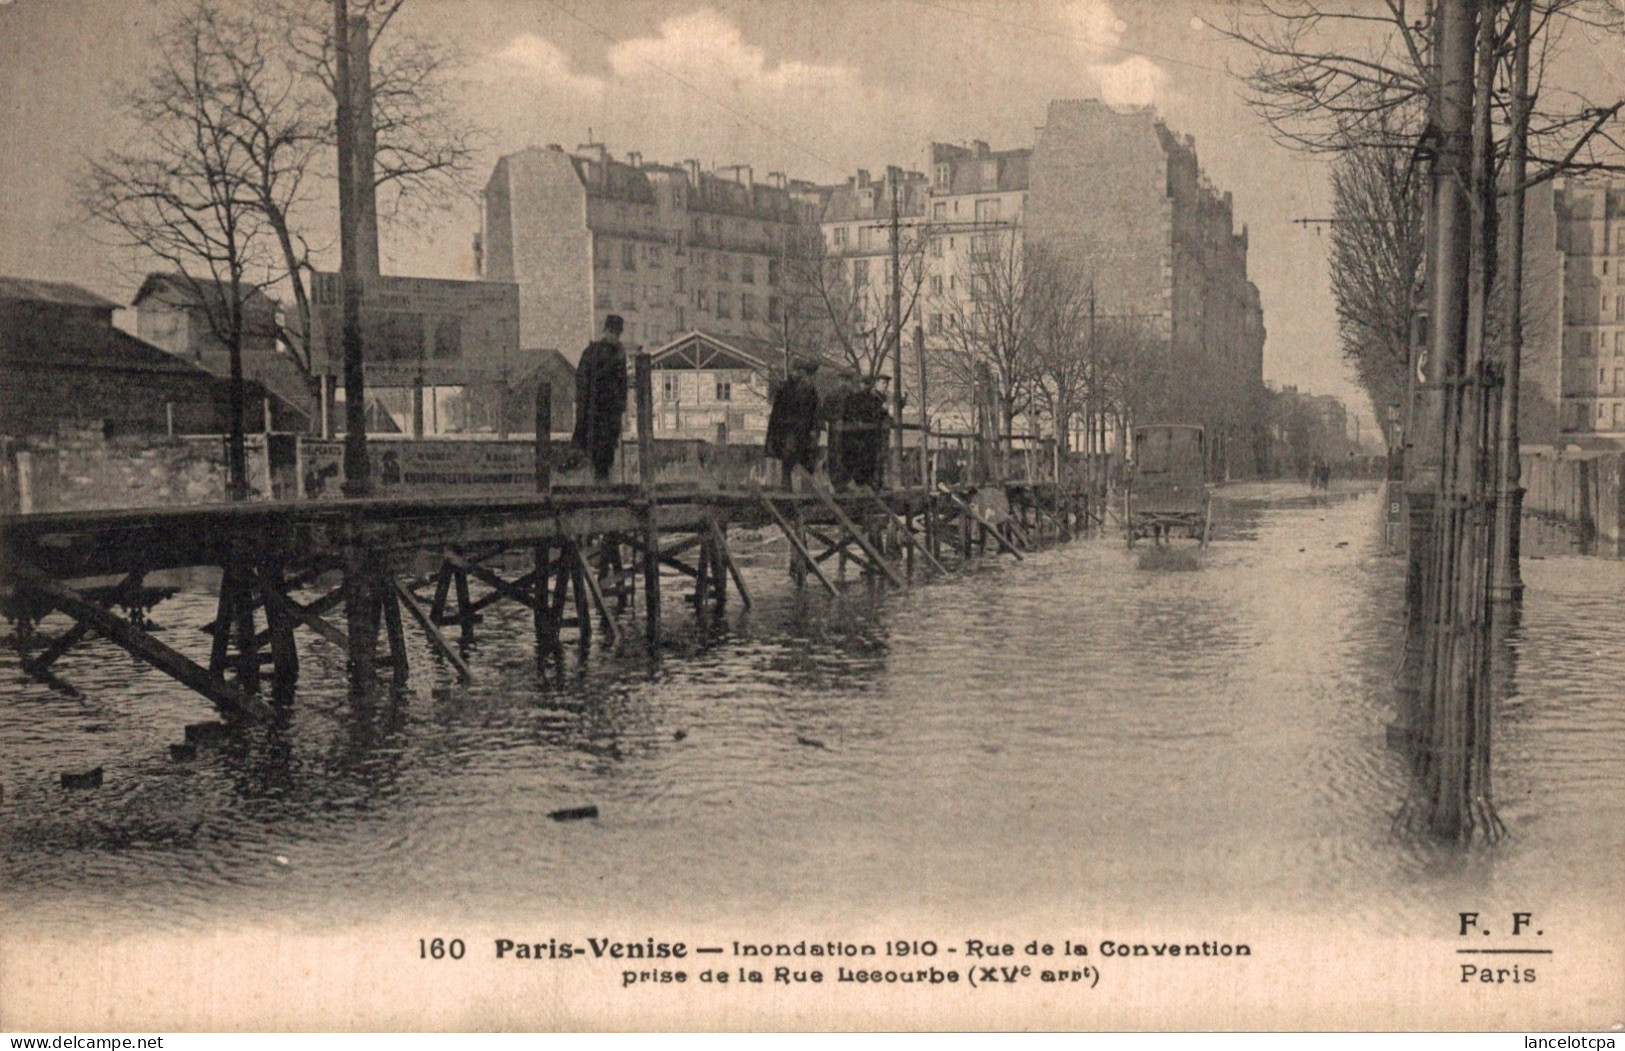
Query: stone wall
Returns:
{"type": "Point", "coordinates": [81, 469]}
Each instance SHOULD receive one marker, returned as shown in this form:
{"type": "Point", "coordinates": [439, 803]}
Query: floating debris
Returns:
{"type": "Point", "coordinates": [206, 733]}
{"type": "Point", "coordinates": [183, 753]}
{"type": "Point", "coordinates": [811, 742]}
{"type": "Point", "coordinates": [282, 859]}
{"type": "Point", "coordinates": [679, 735]}
{"type": "Point", "coordinates": [88, 779]}
{"type": "Point", "coordinates": [575, 813]}
{"type": "Point", "coordinates": [1341, 543]}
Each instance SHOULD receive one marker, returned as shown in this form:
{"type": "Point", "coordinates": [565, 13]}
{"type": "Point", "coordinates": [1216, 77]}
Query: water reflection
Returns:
{"type": "Point", "coordinates": [1026, 735]}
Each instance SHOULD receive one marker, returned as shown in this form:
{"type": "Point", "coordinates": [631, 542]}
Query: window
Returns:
{"type": "Point", "coordinates": [936, 284]}
{"type": "Point", "coordinates": [654, 257]}
{"type": "Point", "coordinates": [629, 259]}
{"type": "Point", "coordinates": [668, 388]}
{"type": "Point", "coordinates": [936, 324]}
{"type": "Point", "coordinates": [676, 196]}
{"type": "Point", "coordinates": [941, 176]}
{"type": "Point", "coordinates": [725, 267]}
{"type": "Point", "coordinates": [1585, 343]}
{"type": "Point", "coordinates": [936, 248]}
{"type": "Point", "coordinates": [1619, 343]}
{"type": "Point", "coordinates": [987, 211]}
{"type": "Point", "coordinates": [866, 238]}
{"type": "Point", "coordinates": [702, 299]}
{"type": "Point", "coordinates": [774, 311]}
{"type": "Point", "coordinates": [939, 210]}
{"type": "Point", "coordinates": [860, 273]}
{"type": "Point", "coordinates": [772, 271]}
{"type": "Point", "coordinates": [747, 270]}
{"type": "Point", "coordinates": [747, 307]}
{"type": "Point", "coordinates": [1619, 308]}
{"type": "Point", "coordinates": [1619, 381]}
{"type": "Point", "coordinates": [839, 234]}
{"type": "Point", "coordinates": [725, 390]}
{"type": "Point", "coordinates": [679, 280]}
{"type": "Point", "coordinates": [629, 297]}
{"type": "Point", "coordinates": [724, 306]}
{"type": "Point", "coordinates": [601, 252]}
{"type": "Point", "coordinates": [600, 297]}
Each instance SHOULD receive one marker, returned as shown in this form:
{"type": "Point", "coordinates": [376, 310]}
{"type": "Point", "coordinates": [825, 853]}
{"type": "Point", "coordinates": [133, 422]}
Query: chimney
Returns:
{"type": "Point", "coordinates": [635, 159]}
{"type": "Point", "coordinates": [693, 169]}
{"type": "Point", "coordinates": [981, 147]}
{"type": "Point", "coordinates": [776, 179]}
{"type": "Point", "coordinates": [863, 177]}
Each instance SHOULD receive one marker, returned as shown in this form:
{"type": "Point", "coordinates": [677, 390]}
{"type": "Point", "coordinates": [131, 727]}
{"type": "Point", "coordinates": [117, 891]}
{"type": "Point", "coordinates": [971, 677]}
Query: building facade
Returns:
{"type": "Point", "coordinates": [1585, 220]}
{"type": "Point", "coordinates": [671, 248]}
{"type": "Point", "coordinates": [1122, 198]}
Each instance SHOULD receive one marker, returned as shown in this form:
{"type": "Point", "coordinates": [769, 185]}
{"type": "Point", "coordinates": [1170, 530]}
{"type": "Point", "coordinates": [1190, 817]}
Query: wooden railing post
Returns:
{"type": "Point", "coordinates": [643, 377]}
{"type": "Point", "coordinates": [544, 437]}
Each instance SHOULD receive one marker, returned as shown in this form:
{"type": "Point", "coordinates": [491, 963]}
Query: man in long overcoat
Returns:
{"type": "Point", "coordinates": [792, 425]}
{"type": "Point", "coordinates": [601, 398]}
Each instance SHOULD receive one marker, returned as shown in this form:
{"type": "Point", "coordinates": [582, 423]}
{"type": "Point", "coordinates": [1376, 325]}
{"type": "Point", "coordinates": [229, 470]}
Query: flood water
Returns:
{"type": "Point", "coordinates": [1068, 734]}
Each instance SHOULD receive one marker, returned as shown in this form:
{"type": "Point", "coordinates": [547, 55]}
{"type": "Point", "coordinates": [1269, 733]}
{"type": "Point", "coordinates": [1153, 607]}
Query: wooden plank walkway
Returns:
{"type": "Point", "coordinates": [592, 555]}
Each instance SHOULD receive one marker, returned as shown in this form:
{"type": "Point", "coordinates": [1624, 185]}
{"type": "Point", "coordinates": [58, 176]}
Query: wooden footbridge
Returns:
{"type": "Point", "coordinates": [352, 572]}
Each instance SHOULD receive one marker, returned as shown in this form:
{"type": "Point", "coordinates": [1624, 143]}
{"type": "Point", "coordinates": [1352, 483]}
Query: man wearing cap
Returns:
{"type": "Point", "coordinates": [864, 439]}
{"type": "Point", "coordinates": [601, 398]}
{"type": "Point", "coordinates": [792, 425]}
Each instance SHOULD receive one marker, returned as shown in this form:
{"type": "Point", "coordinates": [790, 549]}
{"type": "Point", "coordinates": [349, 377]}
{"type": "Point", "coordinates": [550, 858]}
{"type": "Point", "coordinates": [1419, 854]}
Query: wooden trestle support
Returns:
{"type": "Point", "coordinates": [581, 563]}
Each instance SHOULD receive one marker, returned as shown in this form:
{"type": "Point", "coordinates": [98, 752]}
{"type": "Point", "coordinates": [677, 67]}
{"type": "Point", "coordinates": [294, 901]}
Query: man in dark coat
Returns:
{"type": "Point", "coordinates": [863, 439]}
{"type": "Point", "coordinates": [792, 425]}
{"type": "Point", "coordinates": [601, 398]}
{"type": "Point", "coordinates": [832, 411]}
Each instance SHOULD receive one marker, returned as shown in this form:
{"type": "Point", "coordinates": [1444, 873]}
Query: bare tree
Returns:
{"type": "Point", "coordinates": [188, 191]}
{"type": "Point", "coordinates": [1329, 76]}
{"type": "Point", "coordinates": [1065, 366]}
{"type": "Point", "coordinates": [424, 148]}
{"type": "Point", "coordinates": [240, 108]}
{"type": "Point", "coordinates": [1377, 248]}
{"type": "Point", "coordinates": [844, 302]}
{"type": "Point", "coordinates": [988, 326]}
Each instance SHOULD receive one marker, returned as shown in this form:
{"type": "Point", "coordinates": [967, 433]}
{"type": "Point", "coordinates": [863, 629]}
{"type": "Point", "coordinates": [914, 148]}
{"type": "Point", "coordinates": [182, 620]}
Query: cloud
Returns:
{"type": "Point", "coordinates": [693, 87]}
{"type": "Point", "coordinates": [1122, 79]}
{"type": "Point", "coordinates": [1134, 81]}
{"type": "Point", "coordinates": [540, 59]}
{"type": "Point", "coordinates": [704, 46]}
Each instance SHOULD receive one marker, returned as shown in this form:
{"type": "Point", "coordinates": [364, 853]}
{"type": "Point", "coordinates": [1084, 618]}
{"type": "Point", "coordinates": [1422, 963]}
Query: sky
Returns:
{"type": "Point", "coordinates": [812, 88]}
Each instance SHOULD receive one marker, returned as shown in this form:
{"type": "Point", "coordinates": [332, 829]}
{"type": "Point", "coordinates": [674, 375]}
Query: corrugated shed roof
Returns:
{"type": "Point", "coordinates": [56, 292]}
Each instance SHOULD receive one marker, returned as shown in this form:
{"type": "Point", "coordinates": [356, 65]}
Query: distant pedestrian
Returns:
{"type": "Point", "coordinates": [601, 398]}
{"type": "Point", "coordinates": [792, 425]}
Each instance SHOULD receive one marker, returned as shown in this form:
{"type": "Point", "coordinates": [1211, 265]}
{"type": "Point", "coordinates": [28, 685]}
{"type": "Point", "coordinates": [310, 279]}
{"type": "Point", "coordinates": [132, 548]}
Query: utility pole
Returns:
{"type": "Point", "coordinates": [357, 473]}
{"type": "Point", "coordinates": [925, 419]}
{"type": "Point", "coordinates": [1089, 443]}
{"type": "Point", "coordinates": [1506, 581]}
{"type": "Point", "coordinates": [896, 331]}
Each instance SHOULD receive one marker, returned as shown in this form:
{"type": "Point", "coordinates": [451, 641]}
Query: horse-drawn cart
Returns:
{"type": "Point", "coordinates": [1167, 495]}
